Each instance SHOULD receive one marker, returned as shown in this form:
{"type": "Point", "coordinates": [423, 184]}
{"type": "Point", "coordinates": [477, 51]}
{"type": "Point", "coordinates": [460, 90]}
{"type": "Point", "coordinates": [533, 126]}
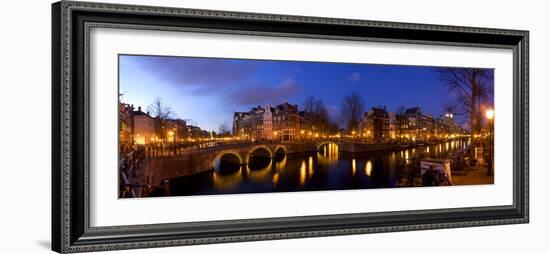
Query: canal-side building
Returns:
{"type": "Point", "coordinates": [144, 128]}
{"type": "Point", "coordinates": [125, 127]}
{"type": "Point", "coordinates": [256, 124]}
{"type": "Point", "coordinates": [267, 122]}
{"type": "Point", "coordinates": [195, 132]}
{"type": "Point", "coordinates": [283, 122]}
{"type": "Point", "coordinates": [375, 125]}
{"type": "Point", "coordinates": [175, 130]}
{"type": "Point", "coordinates": [241, 124]}
{"type": "Point", "coordinates": [392, 125]}
{"type": "Point", "coordinates": [445, 126]}
{"type": "Point", "coordinates": [261, 122]}
{"type": "Point", "coordinates": [415, 125]}
{"type": "Point", "coordinates": [289, 123]}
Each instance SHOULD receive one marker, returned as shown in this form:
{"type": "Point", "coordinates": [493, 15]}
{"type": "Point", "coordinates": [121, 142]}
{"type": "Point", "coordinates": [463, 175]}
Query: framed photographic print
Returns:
{"type": "Point", "coordinates": [181, 126]}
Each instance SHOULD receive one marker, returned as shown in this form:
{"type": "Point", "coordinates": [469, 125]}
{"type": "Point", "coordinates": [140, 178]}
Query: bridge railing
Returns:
{"type": "Point", "coordinates": [129, 163]}
{"type": "Point", "coordinates": [176, 150]}
{"type": "Point", "coordinates": [187, 149]}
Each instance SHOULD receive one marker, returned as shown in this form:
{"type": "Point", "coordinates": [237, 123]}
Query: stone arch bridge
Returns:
{"type": "Point", "coordinates": [199, 160]}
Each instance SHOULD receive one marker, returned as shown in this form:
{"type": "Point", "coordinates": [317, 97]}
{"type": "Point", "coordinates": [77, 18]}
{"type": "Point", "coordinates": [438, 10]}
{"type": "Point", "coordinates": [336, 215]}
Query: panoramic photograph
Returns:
{"type": "Point", "coordinates": [206, 126]}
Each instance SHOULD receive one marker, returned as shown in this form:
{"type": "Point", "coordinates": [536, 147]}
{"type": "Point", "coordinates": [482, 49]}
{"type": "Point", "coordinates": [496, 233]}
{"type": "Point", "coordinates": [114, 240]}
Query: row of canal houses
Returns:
{"type": "Point", "coordinates": [137, 127]}
{"type": "Point", "coordinates": [286, 123]}
{"type": "Point", "coordinates": [283, 122]}
{"type": "Point", "coordinates": [379, 125]}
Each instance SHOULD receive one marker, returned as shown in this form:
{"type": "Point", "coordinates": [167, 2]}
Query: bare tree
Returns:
{"type": "Point", "coordinates": [352, 109]}
{"type": "Point", "coordinates": [471, 86]}
{"type": "Point", "coordinates": [161, 114]}
{"type": "Point", "coordinates": [121, 96]}
{"type": "Point", "coordinates": [317, 112]}
{"type": "Point", "coordinates": [452, 108]}
{"type": "Point", "coordinates": [224, 129]}
{"type": "Point", "coordinates": [322, 116]}
{"type": "Point", "coordinates": [309, 104]}
{"type": "Point", "coordinates": [159, 110]}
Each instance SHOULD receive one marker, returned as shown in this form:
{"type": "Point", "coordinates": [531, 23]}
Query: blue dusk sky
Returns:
{"type": "Point", "coordinates": [206, 91]}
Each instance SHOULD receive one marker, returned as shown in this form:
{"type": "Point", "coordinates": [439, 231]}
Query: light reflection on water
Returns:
{"type": "Point", "coordinates": [260, 173]}
{"type": "Point", "coordinates": [226, 180]}
{"type": "Point", "coordinates": [327, 169]}
{"type": "Point", "coordinates": [353, 167]}
{"type": "Point", "coordinates": [368, 168]}
{"type": "Point", "coordinates": [303, 173]}
{"type": "Point", "coordinates": [310, 166]}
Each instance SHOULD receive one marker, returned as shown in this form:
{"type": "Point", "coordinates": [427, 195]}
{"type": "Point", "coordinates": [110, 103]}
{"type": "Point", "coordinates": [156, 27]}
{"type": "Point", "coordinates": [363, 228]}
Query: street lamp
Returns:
{"type": "Point", "coordinates": [170, 139]}
{"type": "Point", "coordinates": [490, 114]}
{"type": "Point", "coordinates": [170, 135]}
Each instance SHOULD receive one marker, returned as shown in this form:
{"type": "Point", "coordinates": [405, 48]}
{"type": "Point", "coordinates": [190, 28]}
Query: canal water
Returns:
{"type": "Point", "coordinates": [327, 169]}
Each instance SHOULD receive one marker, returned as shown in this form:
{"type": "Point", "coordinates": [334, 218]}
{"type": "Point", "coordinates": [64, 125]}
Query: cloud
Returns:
{"type": "Point", "coordinates": [260, 94]}
{"type": "Point", "coordinates": [354, 77]}
{"type": "Point", "coordinates": [202, 74]}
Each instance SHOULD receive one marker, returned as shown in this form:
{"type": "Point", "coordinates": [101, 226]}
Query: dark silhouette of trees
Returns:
{"type": "Point", "coordinates": [352, 109]}
{"type": "Point", "coordinates": [317, 112]}
{"type": "Point", "coordinates": [224, 130]}
{"type": "Point", "coordinates": [473, 90]}
{"type": "Point", "coordinates": [452, 108]}
{"type": "Point", "coordinates": [161, 113]}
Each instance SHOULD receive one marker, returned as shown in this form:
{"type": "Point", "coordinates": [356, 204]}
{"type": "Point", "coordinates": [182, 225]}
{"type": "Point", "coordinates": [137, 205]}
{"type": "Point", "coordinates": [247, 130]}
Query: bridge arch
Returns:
{"type": "Point", "coordinates": [321, 144]}
{"type": "Point", "coordinates": [260, 151]}
{"type": "Point", "coordinates": [227, 156]}
{"type": "Point", "coordinates": [280, 150]}
{"type": "Point", "coordinates": [259, 157]}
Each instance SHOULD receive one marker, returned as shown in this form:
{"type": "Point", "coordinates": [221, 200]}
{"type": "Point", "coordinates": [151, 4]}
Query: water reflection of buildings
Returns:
{"type": "Point", "coordinates": [305, 171]}
{"type": "Point", "coordinates": [257, 174]}
{"type": "Point", "coordinates": [273, 169]}
{"type": "Point", "coordinates": [225, 181]}
{"type": "Point", "coordinates": [280, 164]}
{"type": "Point", "coordinates": [328, 154]}
{"type": "Point", "coordinates": [368, 168]}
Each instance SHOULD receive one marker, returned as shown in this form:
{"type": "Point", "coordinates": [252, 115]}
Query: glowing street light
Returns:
{"type": "Point", "coordinates": [490, 114]}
